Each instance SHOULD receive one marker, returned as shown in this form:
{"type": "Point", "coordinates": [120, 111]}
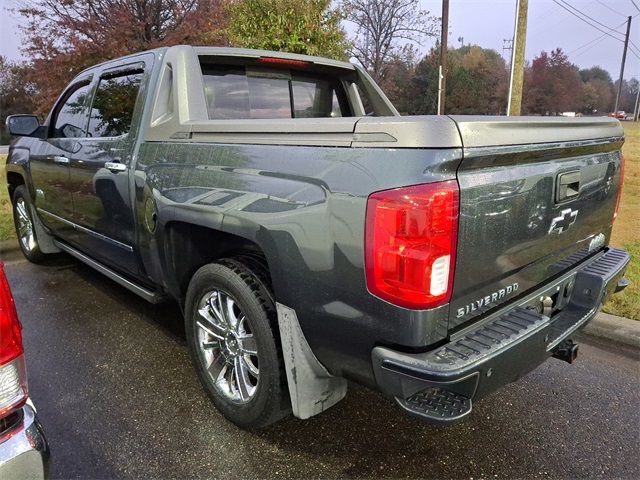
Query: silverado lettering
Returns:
{"type": "Point", "coordinates": [487, 300]}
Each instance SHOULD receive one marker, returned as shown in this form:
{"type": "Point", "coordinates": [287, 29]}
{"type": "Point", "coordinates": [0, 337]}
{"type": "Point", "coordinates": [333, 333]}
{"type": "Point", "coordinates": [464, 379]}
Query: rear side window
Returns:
{"type": "Point", "coordinates": [71, 115]}
{"type": "Point", "coordinates": [113, 104]}
{"type": "Point", "coordinates": [315, 98]}
{"type": "Point", "coordinates": [235, 92]}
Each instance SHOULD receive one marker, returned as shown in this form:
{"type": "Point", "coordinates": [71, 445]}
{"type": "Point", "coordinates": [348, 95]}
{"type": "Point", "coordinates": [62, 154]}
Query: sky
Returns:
{"type": "Point", "coordinates": [487, 23]}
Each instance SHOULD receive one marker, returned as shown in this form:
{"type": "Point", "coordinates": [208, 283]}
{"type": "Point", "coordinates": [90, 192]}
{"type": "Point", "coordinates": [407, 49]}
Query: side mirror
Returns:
{"type": "Point", "coordinates": [22, 125]}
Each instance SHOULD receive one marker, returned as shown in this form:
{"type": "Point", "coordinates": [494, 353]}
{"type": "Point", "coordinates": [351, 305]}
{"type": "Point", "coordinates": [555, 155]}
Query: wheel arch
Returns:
{"type": "Point", "coordinates": [14, 180]}
{"type": "Point", "coordinates": [188, 246]}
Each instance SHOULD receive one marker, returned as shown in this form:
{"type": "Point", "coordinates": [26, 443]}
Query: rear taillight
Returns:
{"type": "Point", "coordinates": [13, 378]}
{"type": "Point", "coordinates": [410, 244]}
{"type": "Point", "coordinates": [619, 194]}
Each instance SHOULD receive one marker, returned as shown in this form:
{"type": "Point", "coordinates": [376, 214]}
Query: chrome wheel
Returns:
{"type": "Point", "coordinates": [227, 347]}
{"type": "Point", "coordinates": [25, 226]}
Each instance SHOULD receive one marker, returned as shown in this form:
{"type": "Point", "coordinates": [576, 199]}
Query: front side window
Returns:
{"type": "Point", "coordinates": [113, 104]}
{"type": "Point", "coordinates": [232, 92]}
{"type": "Point", "coordinates": [70, 119]}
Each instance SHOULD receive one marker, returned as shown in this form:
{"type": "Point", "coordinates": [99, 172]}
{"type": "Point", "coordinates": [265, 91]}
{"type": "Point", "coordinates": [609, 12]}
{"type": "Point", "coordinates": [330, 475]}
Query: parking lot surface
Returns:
{"type": "Point", "coordinates": [115, 391]}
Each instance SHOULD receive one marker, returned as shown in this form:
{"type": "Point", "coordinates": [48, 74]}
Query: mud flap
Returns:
{"type": "Point", "coordinates": [45, 240]}
{"type": "Point", "coordinates": [311, 387]}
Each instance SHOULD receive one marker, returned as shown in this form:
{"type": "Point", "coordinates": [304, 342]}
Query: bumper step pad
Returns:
{"type": "Point", "coordinates": [437, 405]}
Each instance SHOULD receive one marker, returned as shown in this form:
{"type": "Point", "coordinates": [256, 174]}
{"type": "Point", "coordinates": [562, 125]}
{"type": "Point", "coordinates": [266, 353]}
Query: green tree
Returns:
{"type": "Point", "coordinates": [17, 95]}
{"type": "Point", "coordinates": [476, 83]}
{"type": "Point", "coordinates": [595, 73]}
{"type": "Point", "coordinates": [597, 90]}
{"type": "Point", "coordinates": [597, 96]}
{"type": "Point", "coordinates": [309, 27]}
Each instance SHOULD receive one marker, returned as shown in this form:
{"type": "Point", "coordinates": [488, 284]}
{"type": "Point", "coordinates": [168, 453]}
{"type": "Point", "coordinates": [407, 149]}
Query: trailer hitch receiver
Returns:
{"type": "Point", "coordinates": [567, 351]}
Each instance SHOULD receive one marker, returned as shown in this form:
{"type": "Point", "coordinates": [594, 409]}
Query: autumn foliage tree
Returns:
{"type": "Point", "coordinates": [62, 37]}
{"type": "Point", "coordinates": [552, 84]}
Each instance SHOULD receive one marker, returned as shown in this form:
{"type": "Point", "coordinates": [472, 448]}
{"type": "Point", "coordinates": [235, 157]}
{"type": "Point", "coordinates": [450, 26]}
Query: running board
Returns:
{"type": "Point", "coordinates": [148, 295]}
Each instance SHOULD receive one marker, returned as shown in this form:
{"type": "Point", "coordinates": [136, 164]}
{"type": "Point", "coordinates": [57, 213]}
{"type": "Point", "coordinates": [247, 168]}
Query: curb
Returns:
{"type": "Point", "coordinates": [617, 329]}
{"type": "Point", "coordinates": [8, 247]}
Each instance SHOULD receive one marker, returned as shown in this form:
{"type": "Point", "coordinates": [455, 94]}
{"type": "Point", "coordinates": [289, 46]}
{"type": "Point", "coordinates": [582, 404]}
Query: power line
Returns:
{"type": "Point", "coordinates": [595, 40]}
{"type": "Point", "coordinates": [612, 9]}
{"type": "Point", "coordinates": [585, 15]}
{"type": "Point", "coordinates": [634, 48]}
{"type": "Point", "coordinates": [603, 37]}
{"type": "Point", "coordinates": [605, 32]}
{"type": "Point", "coordinates": [635, 5]}
{"type": "Point", "coordinates": [587, 22]}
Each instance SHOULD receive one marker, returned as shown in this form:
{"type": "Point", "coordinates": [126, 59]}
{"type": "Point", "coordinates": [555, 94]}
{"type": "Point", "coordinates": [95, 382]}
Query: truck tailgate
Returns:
{"type": "Point", "coordinates": [537, 196]}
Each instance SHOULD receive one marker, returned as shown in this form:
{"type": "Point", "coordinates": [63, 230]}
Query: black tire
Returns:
{"type": "Point", "coordinates": [249, 290]}
{"type": "Point", "coordinates": [32, 251]}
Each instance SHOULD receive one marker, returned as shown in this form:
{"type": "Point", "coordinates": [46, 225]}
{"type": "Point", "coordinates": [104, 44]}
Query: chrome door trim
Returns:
{"type": "Point", "coordinates": [93, 233]}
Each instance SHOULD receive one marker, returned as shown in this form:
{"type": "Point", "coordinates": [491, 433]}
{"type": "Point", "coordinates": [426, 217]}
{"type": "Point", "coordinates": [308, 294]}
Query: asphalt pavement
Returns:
{"type": "Point", "coordinates": [112, 381]}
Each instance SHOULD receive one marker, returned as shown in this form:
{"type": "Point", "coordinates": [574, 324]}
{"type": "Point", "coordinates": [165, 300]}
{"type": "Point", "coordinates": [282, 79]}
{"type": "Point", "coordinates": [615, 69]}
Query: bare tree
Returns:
{"type": "Point", "coordinates": [387, 30]}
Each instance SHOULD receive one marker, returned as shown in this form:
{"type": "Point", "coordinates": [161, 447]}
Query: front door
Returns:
{"type": "Point", "coordinates": [100, 172]}
{"type": "Point", "coordinates": [51, 157]}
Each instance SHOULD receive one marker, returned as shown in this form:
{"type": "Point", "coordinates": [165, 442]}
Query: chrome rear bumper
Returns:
{"type": "Point", "coordinates": [24, 451]}
{"type": "Point", "coordinates": [440, 385]}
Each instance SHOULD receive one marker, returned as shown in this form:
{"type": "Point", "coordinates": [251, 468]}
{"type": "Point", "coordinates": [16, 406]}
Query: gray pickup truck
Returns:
{"type": "Point", "coordinates": [312, 235]}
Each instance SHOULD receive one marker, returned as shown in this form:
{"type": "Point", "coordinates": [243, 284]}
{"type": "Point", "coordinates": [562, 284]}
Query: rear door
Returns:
{"type": "Point", "coordinates": [531, 210]}
{"type": "Point", "coordinates": [99, 168]}
{"type": "Point", "coordinates": [49, 160]}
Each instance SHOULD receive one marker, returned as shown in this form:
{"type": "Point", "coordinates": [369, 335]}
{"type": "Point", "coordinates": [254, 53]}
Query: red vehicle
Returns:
{"type": "Point", "coordinates": [620, 114]}
{"type": "Point", "coordinates": [24, 452]}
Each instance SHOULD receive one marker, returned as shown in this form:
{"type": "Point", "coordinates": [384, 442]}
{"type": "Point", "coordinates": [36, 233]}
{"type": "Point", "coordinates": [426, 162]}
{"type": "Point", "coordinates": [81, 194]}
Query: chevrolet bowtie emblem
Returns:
{"type": "Point", "coordinates": [562, 222]}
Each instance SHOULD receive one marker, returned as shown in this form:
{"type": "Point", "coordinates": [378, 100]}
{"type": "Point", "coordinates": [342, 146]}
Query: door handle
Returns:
{"type": "Point", "coordinates": [60, 160]}
{"type": "Point", "coordinates": [115, 167]}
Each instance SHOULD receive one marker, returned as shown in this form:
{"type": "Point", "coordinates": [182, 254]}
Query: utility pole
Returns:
{"type": "Point", "coordinates": [442, 80]}
{"type": "Point", "coordinates": [514, 106]}
{"type": "Point", "coordinates": [637, 106]}
{"type": "Point", "coordinates": [624, 59]}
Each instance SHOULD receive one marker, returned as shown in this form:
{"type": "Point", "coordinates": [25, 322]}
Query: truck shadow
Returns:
{"type": "Point", "coordinates": [167, 315]}
{"type": "Point", "coordinates": [366, 435]}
